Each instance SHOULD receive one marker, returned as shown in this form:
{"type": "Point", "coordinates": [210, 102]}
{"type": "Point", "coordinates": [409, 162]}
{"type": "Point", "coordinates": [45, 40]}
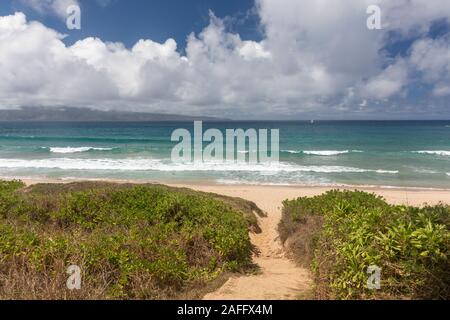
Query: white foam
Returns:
{"type": "Point", "coordinates": [68, 150]}
{"type": "Point", "coordinates": [319, 184]}
{"type": "Point", "coordinates": [426, 171]}
{"type": "Point", "coordinates": [434, 152]}
{"type": "Point", "coordinates": [141, 164]}
{"type": "Point", "coordinates": [326, 152]}
{"type": "Point", "coordinates": [323, 152]}
{"type": "Point", "coordinates": [255, 183]}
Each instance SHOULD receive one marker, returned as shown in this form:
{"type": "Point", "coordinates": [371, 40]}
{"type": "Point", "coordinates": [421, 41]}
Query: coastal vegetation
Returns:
{"type": "Point", "coordinates": [340, 234]}
{"type": "Point", "coordinates": [130, 241]}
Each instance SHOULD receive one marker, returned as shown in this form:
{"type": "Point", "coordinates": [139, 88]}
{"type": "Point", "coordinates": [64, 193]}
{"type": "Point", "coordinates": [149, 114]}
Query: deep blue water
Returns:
{"type": "Point", "coordinates": [394, 153]}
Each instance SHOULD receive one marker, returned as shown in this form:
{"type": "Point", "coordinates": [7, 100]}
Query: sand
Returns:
{"type": "Point", "coordinates": [270, 194]}
{"type": "Point", "coordinates": [279, 277]}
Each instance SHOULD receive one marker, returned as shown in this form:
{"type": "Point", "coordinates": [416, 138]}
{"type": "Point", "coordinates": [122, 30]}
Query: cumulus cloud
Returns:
{"type": "Point", "coordinates": [57, 7]}
{"type": "Point", "coordinates": [413, 16]}
{"type": "Point", "coordinates": [316, 56]}
{"type": "Point", "coordinates": [250, 50]}
{"type": "Point", "coordinates": [389, 82]}
{"type": "Point", "coordinates": [431, 57]}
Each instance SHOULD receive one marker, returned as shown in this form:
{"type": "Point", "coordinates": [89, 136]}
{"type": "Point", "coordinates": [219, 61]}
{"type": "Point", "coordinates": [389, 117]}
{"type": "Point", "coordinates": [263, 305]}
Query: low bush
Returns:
{"type": "Point", "coordinates": [342, 233]}
{"type": "Point", "coordinates": [130, 241]}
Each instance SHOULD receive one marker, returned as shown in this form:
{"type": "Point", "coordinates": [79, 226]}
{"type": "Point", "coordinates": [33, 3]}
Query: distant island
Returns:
{"type": "Point", "coordinates": [73, 114]}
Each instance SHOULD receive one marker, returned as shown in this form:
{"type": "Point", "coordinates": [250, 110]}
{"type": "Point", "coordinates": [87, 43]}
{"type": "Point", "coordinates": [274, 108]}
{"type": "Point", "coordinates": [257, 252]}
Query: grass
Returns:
{"type": "Point", "coordinates": [130, 241]}
{"type": "Point", "coordinates": [341, 233]}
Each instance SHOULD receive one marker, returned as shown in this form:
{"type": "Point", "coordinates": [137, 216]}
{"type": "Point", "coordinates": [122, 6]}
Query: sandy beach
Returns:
{"type": "Point", "coordinates": [276, 194]}
{"type": "Point", "coordinates": [279, 277]}
{"type": "Point", "coordinates": [264, 195]}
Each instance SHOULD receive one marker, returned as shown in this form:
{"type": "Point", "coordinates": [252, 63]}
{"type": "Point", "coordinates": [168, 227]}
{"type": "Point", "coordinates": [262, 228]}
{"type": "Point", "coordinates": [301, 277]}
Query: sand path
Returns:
{"type": "Point", "coordinates": [279, 278]}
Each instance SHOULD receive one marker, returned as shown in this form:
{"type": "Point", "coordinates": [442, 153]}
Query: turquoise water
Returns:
{"type": "Point", "coordinates": [412, 154]}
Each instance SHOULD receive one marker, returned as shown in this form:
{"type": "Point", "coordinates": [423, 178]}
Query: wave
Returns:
{"type": "Point", "coordinates": [426, 171]}
{"type": "Point", "coordinates": [326, 152]}
{"type": "Point", "coordinates": [256, 183]}
{"type": "Point", "coordinates": [67, 150]}
{"type": "Point", "coordinates": [322, 152]}
{"type": "Point", "coordinates": [434, 152]}
{"type": "Point", "coordinates": [140, 164]}
{"type": "Point", "coordinates": [84, 139]}
{"type": "Point", "coordinates": [321, 184]}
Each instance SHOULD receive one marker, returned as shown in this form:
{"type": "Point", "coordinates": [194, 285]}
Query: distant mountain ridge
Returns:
{"type": "Point", "coordinates": [72, 114]}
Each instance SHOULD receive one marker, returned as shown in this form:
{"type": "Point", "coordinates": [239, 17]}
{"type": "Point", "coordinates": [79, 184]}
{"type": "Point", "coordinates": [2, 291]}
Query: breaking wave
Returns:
{"type": "Point", "coordinates": [322, 152]}
{"type": "Point", "coordinates": [140, 164]}
{"type": "Point", "coordinates": [434, 152]}
{"type": "Point", "coordinates": [68, 150]}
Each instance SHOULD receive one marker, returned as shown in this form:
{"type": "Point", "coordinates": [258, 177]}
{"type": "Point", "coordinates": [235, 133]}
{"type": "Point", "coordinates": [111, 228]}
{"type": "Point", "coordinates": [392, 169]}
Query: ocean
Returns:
{"type": "Point", "coordinates": [375, 153]}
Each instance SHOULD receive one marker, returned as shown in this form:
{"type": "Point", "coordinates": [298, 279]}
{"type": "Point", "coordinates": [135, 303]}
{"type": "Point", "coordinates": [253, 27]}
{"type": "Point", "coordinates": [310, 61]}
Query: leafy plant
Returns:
{"type": "Point", "coordinates": [357, 230]}
{"type": "Point", "coordinates": [131, 241]}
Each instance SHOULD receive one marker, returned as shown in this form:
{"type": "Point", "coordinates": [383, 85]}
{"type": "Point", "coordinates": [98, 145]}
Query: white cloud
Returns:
{"type": "Point", "coordinates": [413, 16]}
{"type": "Point", "coordinates": [250, 50]}
{"type": "Point", "coordinates": [389, 82]}
{"type": "Point", "coordinates": [431, 57]}
{"type": "Point", "coordinates": [38, 69]}
{"type": "Point", "coordinates": [57, 7]}
{"type": "Point", "coordinates": [316, 56]}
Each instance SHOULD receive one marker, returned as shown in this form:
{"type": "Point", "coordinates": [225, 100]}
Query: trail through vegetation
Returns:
{"type": "Point", "coordinates": [278, 277]}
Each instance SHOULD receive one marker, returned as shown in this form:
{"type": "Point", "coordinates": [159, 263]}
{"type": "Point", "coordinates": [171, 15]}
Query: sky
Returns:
{"type": "Point", "coordinates": [240, 59]}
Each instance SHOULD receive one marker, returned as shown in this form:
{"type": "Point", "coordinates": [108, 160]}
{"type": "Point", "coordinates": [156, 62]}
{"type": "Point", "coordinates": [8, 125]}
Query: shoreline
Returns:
{"type": "Point", "coordinates": [415, 196]}
{"type": "Point", "coordinates": [36, 180]}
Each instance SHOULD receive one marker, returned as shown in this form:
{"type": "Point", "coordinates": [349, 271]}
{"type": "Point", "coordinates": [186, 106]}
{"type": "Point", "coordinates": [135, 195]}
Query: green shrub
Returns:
{"type": "Point", "coordinates": [357, 230]}
{"type": "Point", "coordinates": [8, 197]}
{"type": "Point", "coordinates": [133, 242]}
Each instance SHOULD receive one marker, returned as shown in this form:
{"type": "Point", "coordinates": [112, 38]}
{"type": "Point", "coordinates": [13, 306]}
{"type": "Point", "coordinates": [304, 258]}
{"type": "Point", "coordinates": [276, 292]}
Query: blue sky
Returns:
{"type": "Point", "coordinates": [264, 59]}
{"type": "Point", "coordinates": [128, 21]}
